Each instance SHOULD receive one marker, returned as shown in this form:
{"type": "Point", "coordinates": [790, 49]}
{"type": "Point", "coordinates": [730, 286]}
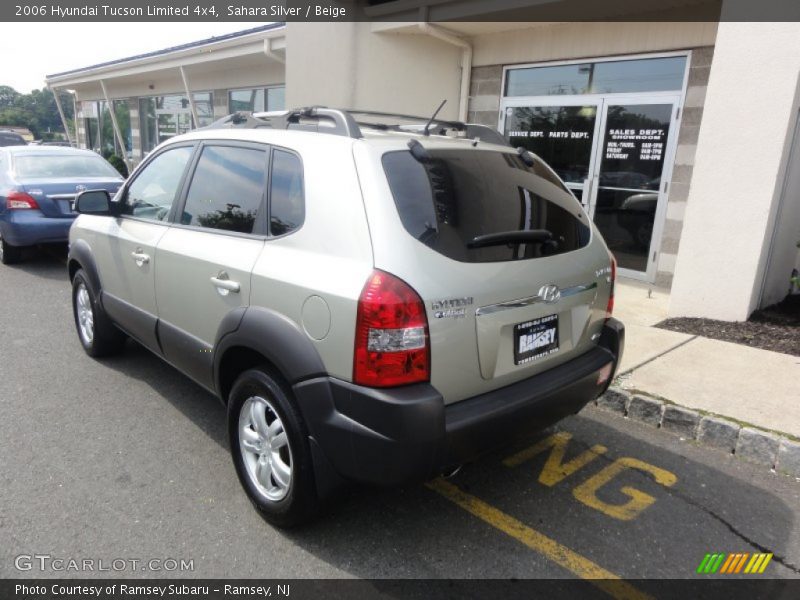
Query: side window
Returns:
{"type": "Point", "coordinates": [227, 189]}
{"type": "Point", "coordinates": [151, 194]}
{"type": "Point", "coordinates": [286, 203]}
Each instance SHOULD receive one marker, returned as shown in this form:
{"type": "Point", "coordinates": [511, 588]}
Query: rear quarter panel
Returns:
{"type": "Point", "coordinates": [315, 275]}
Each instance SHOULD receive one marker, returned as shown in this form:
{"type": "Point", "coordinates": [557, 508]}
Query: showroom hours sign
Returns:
{"type": "Point", "coordinates": [636, 144]}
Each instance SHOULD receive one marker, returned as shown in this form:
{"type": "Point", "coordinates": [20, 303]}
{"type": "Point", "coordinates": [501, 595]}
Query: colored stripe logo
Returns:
{"type": "Point", "coordinates": [733, 563]}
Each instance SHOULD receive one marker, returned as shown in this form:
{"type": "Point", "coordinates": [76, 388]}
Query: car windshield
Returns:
{"type": "Point", "coordinates": [11, 139]}
{"type": "Point", "coordinates": [51, 166]}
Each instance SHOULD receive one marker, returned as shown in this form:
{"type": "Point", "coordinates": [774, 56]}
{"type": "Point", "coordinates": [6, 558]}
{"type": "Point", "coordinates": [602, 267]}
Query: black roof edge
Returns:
{"type": "Point", "coordinates": [197, 44]}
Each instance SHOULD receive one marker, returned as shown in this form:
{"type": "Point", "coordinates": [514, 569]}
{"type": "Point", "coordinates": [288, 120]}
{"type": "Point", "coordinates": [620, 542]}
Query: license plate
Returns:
{"type": "Point", "coordinates": [535, 339]}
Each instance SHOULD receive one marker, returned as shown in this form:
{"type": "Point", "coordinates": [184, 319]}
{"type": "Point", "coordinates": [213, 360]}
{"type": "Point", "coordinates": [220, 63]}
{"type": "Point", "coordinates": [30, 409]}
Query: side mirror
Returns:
{"type": "Point", "coordinates": [93, 202]}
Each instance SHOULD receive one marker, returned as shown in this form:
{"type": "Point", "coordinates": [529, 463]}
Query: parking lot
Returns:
{"type": "Point", "coordinates": [126, 458]}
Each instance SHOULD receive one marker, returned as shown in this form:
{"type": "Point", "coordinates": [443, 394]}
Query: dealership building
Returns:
{"type": "Point", "coordinates": [680, 137]}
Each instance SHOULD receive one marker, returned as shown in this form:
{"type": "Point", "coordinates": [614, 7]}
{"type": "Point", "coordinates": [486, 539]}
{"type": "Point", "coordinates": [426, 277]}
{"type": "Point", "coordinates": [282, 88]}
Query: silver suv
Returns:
{"type": "Point", "coordinates": [373, 298]}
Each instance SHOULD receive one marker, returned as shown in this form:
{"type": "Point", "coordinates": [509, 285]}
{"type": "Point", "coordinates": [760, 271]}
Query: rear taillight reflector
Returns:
{"type": "Point", "coordinates": [392, 344]}
{"type": "Point", "coordinates": [20, 201]}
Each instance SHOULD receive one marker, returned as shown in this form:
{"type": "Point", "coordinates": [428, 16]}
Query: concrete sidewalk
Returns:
{"type": "Point", "coordinates": [748, 385]}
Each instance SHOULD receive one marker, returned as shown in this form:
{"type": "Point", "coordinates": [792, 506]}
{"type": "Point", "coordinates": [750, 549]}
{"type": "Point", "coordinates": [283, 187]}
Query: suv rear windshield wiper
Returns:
{"type": "Point", "coordinates": [510, 237]}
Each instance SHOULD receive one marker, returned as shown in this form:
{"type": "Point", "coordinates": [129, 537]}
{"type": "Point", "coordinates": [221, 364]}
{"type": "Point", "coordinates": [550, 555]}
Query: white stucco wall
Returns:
{"type": "Point", "coordinates": [739, 170]}
{"type": "Point", "coordinates": [348, 65]}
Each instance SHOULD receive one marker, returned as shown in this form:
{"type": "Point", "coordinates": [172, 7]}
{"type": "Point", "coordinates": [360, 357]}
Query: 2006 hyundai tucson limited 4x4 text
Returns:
{"type": "Point", "coordinates": [373, 299]}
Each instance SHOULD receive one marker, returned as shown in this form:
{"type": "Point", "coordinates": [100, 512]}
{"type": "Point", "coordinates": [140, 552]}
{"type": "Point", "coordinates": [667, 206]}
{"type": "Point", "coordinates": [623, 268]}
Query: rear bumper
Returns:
{"type": "Point", "coordinates": [405, 434]}
{"type": "Point", "coordinates": [29, 227]}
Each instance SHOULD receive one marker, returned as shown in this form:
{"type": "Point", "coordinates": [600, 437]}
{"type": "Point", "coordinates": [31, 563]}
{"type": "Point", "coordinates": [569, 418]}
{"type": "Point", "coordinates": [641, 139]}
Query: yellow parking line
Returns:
{"type": "Point", "coordinates": [559, 554]}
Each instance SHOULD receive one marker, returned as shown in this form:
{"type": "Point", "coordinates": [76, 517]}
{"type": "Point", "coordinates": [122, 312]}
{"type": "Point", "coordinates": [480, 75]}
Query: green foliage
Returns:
{"type": "Point", "coordinates": [37, 111]}
{"type": "Point", "coordinates": [118, 164]}
{"type": "Point", "coordinates": [230, 219]}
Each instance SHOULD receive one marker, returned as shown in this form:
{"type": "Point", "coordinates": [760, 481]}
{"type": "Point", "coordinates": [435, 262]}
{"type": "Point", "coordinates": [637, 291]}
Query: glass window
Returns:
{"type": "Point", "coordinates": [204, 105]}
{"type": "Point", "coordinates": [560, 134]}
{"type": "Point", "coordinates": [107, 140]}
{"type": "Point", "coordinates": [123, 114]}
{"type": "Point", "coordinates": [548, 81]}
{"type": "Point", "coordinates": [92, 134]}
{"type": "Point", "coordinates": [55, 166]}
{"type": "Point", "coordinates": [287, 206]}
{"type": "Point", "coordinates": [606, 77]}
{"type": "Point", "coordinates": [452, 201]}
{"type": "Point", "coordinates": [276, 98]}
{"type": "Point", "coordinates": [151, 194]}
{"type": "Point", "coordinates": [246, 101]}
{"type": "Point", "coordinates": [636, 138]}
{"type": "Point", "coordinates": [256, 100]}
{"type": "Point", "coordinates": [163, 117]}
{"type": "Point", "coordinates": [227, 189]}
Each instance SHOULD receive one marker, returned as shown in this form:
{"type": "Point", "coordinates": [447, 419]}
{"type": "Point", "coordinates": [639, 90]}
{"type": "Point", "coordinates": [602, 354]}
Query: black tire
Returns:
{"type": "Point", "coordinates": [300, 502]}
{"type": "Point", "coordinates": [106, 339]}
{"type": "Point", "coordinates": [9, 254]}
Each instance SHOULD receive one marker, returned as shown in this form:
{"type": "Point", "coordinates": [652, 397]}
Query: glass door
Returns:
{"type": "Point", "coordinates": [629, 182]}
{"type": "Point", "coordinates": [561, 131]}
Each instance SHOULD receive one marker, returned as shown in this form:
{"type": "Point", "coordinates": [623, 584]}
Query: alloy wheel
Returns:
{"type": "Point", "coordinates": [265, 450]}
{"type": "Point", "coordinates": [85, 314]}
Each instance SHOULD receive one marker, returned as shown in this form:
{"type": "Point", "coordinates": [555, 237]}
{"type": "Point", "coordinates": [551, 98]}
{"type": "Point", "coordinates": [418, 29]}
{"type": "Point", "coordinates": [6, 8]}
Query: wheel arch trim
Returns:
{"type": "Point", "coordinates": [81, 253]}
{"type": "Point", "coordinates": [274, 336]}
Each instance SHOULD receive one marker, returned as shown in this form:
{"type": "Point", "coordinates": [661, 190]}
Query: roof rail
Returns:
{"type": "Point", "coordinates": [438, 126]}
{"type": "Point", "coordinates": [311, 118]}
{"type": "Point", "coordinates": [348, 123]}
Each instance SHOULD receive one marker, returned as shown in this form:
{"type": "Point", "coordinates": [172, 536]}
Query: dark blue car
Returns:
{"type": "Point", "coordinates": [38, 186]}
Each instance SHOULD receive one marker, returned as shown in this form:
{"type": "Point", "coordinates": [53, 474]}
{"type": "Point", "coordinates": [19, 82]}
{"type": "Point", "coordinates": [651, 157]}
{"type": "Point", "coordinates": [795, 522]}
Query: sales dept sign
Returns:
{"type": "Point", "coordinates": [637, 144]}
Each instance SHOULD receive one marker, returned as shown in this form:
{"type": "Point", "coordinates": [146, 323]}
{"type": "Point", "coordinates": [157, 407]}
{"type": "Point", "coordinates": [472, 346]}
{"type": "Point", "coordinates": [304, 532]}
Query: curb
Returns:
{"type": "Point", "coordinates": [755, 445]}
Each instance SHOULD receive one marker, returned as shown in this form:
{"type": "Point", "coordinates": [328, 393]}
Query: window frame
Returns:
{"type": "Point", "coordinates": [274, 149]}
{"type": "Point", "coordinates": [261, 225]}
{"type": "Point", "coordinates": [122, 194]}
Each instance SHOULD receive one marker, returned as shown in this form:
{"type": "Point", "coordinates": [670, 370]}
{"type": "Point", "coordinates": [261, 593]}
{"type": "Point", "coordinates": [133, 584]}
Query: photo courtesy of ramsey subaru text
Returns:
{"type": "Point", "coordinates": [375, 297]}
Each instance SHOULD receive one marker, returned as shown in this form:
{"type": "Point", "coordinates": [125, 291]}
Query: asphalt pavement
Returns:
{"type": "Point", "coordinates": [128, 459]}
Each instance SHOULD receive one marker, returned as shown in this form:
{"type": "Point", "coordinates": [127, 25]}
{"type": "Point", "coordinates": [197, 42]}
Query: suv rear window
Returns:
{"type": "Point", "coordinates": [460, 195]}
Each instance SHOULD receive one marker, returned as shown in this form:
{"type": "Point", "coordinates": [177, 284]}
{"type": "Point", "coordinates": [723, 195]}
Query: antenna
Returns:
{"type": "Point", "coordinates": [428, 124]}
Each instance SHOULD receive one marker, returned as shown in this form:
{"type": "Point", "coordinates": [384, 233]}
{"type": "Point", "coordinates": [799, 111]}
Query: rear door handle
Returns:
{"type": "Point", "coordinates": [140, 258]}
{"type": "Point", "coordinates": [224, 286]}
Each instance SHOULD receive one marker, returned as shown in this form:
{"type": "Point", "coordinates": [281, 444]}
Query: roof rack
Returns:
{"type": "Point", "coordinates": [311, 118]}
{"type": "Point", "coordinates": [437, 126]}
{"type": "Point", "coordinates": [349, 122]}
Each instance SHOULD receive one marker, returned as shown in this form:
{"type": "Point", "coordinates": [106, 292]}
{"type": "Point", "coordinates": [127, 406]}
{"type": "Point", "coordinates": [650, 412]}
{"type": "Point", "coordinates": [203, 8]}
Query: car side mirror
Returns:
{"type": "Point", "coordinates": [93, 202]}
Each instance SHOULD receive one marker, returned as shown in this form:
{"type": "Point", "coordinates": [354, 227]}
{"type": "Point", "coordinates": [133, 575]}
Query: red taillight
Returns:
{"type": "Point", "coordinates": [392, 345]}
{"type": "Point", "coordinates": [613, 278]}
{"type": "Point", "coordinates": [20, 201]}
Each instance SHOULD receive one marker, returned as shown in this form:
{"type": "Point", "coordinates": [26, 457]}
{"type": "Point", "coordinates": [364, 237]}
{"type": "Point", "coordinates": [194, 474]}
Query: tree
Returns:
{"type": "Point", "coordinates": [37, 111]}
